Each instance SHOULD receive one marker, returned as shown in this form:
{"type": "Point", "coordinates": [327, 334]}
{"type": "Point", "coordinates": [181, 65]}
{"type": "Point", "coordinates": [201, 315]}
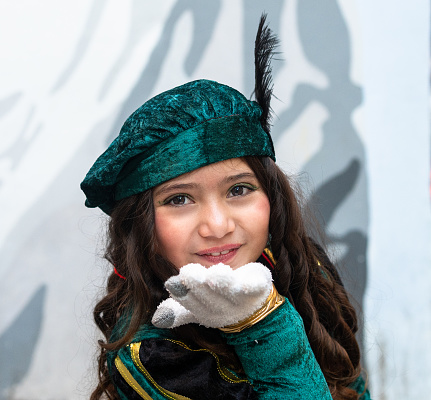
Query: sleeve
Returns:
{"type": "Point", "coordinates": [361, 388]}
{"type": "Point", "coordinates": [169, 369]}
{"type": "Point", "coordinates": [277, 358]}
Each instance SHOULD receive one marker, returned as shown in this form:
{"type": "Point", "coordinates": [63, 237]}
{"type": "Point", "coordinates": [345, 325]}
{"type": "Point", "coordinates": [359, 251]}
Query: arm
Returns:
{"type": "Point", "coordinates": [361, 388]}
{"type": "Point", "coordinates": [275, 352]}
{"type": "Point", "coordinates": [277, 357]}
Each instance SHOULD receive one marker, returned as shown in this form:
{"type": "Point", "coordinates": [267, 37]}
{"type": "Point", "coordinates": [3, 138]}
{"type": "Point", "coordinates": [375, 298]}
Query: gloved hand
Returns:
{"type": "Point", "coordinates": [214, 297]}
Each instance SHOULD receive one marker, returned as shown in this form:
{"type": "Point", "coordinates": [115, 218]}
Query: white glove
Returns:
{"type": "Point", "coordinates": [214, 297]}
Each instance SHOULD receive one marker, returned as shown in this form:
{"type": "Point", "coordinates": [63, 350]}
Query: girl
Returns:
{"type": "Point", "coordinates": [217, 290]}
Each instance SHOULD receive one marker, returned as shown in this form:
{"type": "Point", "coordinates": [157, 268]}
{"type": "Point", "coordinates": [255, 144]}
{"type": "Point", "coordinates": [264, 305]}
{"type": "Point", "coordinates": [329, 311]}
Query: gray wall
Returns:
{"type": "Point", "coordinates": [351, 125]}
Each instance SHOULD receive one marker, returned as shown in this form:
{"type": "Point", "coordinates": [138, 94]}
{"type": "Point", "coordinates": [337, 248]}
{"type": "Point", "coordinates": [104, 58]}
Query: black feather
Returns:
{"type": "Point", "coordinates": [264, 50]}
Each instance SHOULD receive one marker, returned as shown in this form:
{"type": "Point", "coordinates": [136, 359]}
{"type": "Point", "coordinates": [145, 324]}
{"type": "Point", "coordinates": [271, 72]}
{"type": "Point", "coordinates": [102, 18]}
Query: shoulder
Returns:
{"type": "Point", "coordinates": [149, 331]}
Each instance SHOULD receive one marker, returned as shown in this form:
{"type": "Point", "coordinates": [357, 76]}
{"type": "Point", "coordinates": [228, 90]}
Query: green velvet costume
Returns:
{"type": "Point", "coordinates": [275, 354]}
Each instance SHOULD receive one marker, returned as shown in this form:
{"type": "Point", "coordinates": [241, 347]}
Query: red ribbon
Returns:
{"type": "Point", "coordinates": [118, 274]}
{"type": "Point", "coordinates": [267, 259]}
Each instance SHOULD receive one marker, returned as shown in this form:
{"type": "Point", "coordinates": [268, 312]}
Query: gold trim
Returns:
{"type": "Point", "coordinates": [270, 255]}
{"type": "Point", "coordinates": [227, 375]}
{"type": "Point", "coordinates": [273, 301]}
{"type": "Point", "coordinates": [134, 351]}
{"type": "Point", "coordinates": [130, 380]}
{"type": "Point", "coordinates": [322, 271]}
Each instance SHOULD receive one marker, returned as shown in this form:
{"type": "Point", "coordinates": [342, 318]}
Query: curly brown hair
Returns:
{"type": "Point", "coordinates": [303, 274]}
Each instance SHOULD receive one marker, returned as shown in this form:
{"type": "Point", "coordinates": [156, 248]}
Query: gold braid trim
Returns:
{"type": "Point", "coordinates": [273, 301]}
{"type": "Point", "coordinates": [270, 255]}
{"type": "Point", "coordinates": [130, 379]}
{"type": "Point", "coordinates": [224, 372]}
{"type": "Point", "coordinates": [134, 352]}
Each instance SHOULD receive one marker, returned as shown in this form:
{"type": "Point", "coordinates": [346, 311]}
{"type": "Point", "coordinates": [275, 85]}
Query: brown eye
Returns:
{"type": "Point", "coordinates": [238, 191]}
{"type": "Point", "coordinates": [178, 200]}
{"type": "Point", "coordinates": [241, 190]}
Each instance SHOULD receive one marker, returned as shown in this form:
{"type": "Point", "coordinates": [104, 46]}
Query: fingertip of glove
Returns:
{"type": "Point", "coordinates": [176, 288]}
{"type": "Point", "coordinates": [163, 318]}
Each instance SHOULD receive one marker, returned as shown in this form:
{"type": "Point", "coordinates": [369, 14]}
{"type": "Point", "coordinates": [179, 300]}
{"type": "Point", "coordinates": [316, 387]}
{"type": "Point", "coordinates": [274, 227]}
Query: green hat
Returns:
{"type": "Point", "coordinates": [178, 131]}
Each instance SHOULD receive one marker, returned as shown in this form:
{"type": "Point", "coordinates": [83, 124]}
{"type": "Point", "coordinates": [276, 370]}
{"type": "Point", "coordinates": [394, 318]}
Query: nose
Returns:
{"type": "Point", "coordinates": [215, 220]}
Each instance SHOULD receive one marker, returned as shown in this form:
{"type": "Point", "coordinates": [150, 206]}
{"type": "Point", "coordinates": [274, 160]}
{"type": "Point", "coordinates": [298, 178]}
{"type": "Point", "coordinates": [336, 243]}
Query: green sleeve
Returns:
{"type": "Point", "coordinates": [360, 388]}
{"type": "Point", "coordinates": [277, 358]}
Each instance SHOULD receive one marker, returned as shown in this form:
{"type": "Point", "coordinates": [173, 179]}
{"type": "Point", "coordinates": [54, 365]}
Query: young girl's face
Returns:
{"type": "Point", "coordinates": [215, 214]}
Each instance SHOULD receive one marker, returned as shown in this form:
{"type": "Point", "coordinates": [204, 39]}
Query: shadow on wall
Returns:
{"type": "Point", "coordinates": [341, 199]}
{"type": "Point", "coordinates": [56, 242]}
{"type": "Point", "coordinates": [204, 15]}
{"type": "Point", "coordinates": [18, 148]}
{"type": "Point", "coordinates": [18, 342]}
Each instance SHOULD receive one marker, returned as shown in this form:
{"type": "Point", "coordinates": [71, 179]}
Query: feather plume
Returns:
{"type": "Point", "coordinates": [264, 50]}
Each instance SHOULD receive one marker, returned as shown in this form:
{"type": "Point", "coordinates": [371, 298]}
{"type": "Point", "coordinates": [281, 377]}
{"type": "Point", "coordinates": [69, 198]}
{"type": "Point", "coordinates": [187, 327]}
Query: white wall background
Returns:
{"type": "Point", "coordinates": [396, 121]}
{"type": "Point", "coordinates": [353, 110]}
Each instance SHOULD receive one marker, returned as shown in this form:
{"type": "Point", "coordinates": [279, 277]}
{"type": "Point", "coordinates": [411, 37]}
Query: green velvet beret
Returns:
{"type": "Point", "coordinates": [175, 132]}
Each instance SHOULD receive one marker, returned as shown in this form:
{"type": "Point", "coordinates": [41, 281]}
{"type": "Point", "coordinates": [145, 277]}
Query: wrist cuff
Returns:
{"type": "Point", "coordinates": [273, 301]}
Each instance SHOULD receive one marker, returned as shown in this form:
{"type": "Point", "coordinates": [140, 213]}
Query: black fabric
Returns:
{"type": "Point", "coordinates": [265, 262]}
{"type": "Point", "coordinates": [122, 385]}
{"type": "Point", "coordinates": [190, 373]}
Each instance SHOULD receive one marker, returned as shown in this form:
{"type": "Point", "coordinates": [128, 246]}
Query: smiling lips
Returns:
{"type": "Point", "coordinates": [222, 254]}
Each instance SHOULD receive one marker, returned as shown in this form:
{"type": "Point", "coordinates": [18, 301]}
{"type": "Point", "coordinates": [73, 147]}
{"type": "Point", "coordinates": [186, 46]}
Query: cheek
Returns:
{"type": "Point", "coordinates": [255, 224]}
{"type": "Point", "coordinates": [256, 221]}
{"type": "Point", "coordinates": [262, 223]}
{"type": "Point", "coordinates": [262, 213]}
{"type": "Point", "coordinates": [165, 231]}
{"type": "Point", "coordinates": [171, 236]}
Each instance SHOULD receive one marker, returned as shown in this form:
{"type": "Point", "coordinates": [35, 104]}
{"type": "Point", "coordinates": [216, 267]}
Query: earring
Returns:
{"type": "Point", "coordinates": [268, 243]}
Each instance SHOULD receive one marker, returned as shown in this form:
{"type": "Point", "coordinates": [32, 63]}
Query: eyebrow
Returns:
{"type": "Point", "coordinates": [174, 187]}
{"type": "Point", "coordinates": [238, 177]}
{"type": "Point", "coordinates": [187, 186]}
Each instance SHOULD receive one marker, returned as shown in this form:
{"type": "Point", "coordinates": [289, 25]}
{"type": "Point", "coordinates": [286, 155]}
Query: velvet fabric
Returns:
{"type": "Point", "coordinates": [173, 370]}
{"type": "Point", "coordinates": [178, 131]}
{"type": "Point", "coordinates": [277, 358]}
{"type": "Point", "coordinates": [275, 353]}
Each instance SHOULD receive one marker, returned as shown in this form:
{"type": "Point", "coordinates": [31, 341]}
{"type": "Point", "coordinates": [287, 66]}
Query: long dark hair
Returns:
{"type": "Point", "coordinates": [303, 274]}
